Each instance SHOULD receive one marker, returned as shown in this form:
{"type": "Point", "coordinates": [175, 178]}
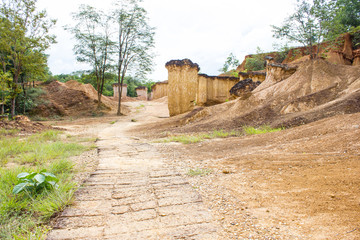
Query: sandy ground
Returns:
{"type": "Point", "coordinates": [300, 183]}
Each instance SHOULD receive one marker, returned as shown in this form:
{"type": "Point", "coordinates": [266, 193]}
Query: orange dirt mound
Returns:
{"type": "Point", "coordinates": [74, 99]}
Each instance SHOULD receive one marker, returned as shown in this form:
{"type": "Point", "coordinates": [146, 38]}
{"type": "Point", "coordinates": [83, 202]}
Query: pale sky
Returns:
{"type": "Point", "coordinates": [205, 31]}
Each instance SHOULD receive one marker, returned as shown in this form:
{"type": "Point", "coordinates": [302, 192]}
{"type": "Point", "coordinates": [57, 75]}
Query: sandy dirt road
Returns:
{"type": "Point", "coordinates": [134, 193]}
{"type": "Point", "coordinates": [300, 183]}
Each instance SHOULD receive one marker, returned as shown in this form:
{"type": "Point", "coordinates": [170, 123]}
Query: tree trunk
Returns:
{"type": "Point", "coordinates": [2, 105]}
{"type": "Point", "coordinates": [12, 113]}
{"type": "Point", "coordinates": [119, 103]}
{"type": "Point", "coordinates": [99, 100]}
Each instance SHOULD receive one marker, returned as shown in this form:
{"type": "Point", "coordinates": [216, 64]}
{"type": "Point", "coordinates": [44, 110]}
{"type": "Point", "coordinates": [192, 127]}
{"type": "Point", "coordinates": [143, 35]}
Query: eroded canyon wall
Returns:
{"type": "Point", "coordinates": [160, 90]}
{"type": "Point", "coordinates": [116, 90]}
{"type": "Point", "coordinates": [214, 89]}
{"type": "Point", "coordinates": [182, 86]}
{"type": "Point", "coordinates": [141, 93]}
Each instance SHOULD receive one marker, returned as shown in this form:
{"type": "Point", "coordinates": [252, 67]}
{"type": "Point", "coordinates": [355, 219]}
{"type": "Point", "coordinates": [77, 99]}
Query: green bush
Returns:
{"type": "Point", "coordinates": [256, 62]}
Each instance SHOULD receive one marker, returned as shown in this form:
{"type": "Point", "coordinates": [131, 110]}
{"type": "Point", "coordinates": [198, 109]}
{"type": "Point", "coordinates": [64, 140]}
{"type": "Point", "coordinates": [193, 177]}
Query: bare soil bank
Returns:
{"type": "Point", "coordinates": [299, 183]}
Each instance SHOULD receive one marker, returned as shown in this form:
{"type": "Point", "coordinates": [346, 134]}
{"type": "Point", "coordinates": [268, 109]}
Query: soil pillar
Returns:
{"type": "Point", "coordinates": [182, 86]}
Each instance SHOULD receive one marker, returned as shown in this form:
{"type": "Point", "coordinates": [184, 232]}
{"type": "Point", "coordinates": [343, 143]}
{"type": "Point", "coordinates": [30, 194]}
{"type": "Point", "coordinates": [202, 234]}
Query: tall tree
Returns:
{"type": "Point", "coordinates": [348, 12]}
{"type": "Point", "coordinates": [135, 40]}
{"type": "Point", "coordinates": [94, 45]}
{"type": "Point", "coordinates": [306, 25]}
{"type": "Point", "coordinates": [345, 16]}
{"type": "Point", "coordinates": [25, 34]}
{"type": "Point", "coordinates": [317, 20]}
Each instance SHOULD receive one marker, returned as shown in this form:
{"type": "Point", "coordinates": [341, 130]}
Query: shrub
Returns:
{"type": "Point", "coordinates": [256, 62]}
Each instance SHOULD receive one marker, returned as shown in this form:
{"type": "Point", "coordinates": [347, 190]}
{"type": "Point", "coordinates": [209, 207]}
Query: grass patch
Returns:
{"type": "Point", "coordinates": [198, 172]}
{"type": "Point", "coordinates": [260, 130]}
{"type": "Point", "coordinates": [23, 216]}
{"type": "Point", "coordinates": [8, 132]}
{"type": "Point", "coordinates": [113, 122]}
{"type": "Point", "coordinates": [196, 138]}
{"type": "Point", "coordinates": [140, 106]}
{"type": "Point", "coordinates": [186, 139]}
{"type": "Point", "coordinates": [37, 149]}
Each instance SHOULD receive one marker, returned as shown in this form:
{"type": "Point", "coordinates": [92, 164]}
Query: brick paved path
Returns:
{"type": "Point", "coordinates": [134, 194]}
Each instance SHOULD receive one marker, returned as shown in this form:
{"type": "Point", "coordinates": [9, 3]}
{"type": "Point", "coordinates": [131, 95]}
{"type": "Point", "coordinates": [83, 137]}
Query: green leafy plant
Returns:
{"type": "Point", "coordinates": [35, 183]}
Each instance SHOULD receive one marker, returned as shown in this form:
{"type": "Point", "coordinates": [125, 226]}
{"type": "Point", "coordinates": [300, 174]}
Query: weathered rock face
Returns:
{"type": "Point", "coordinates": [340, 51]}
{"type": "Point", "coordinates": [214, 89]}
{"type": "Point", "coordinates": [141, 93]}
{"type": "Point", "coordinates": [116, 90]}
{"type": "Point", "coordinates": [276, 71]}
{"type": "Point", "coordinates": [255, 76]}
{"type": "Point", "coordinates": [182, 87]}
{"type": "Point", "coordinates": [348, 48]}
{"type": "Point", "coordinates": [356, 61]}
{"type": "Point", "coordinates": [243, 88]}
{"type": "Point", "coordinates": [279, 72]}
{"type": "Point", "coordinates": [160, 90]}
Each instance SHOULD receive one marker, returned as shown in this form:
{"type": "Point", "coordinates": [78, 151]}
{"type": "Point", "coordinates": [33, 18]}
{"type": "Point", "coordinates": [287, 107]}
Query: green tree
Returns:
{"type": "Point", "coordinates": [307, 25]}
{"type": "Point", "coordinates": [230, 63]}
{"type": "Point", "coordinates": [348, 13]}
{"type": "Point", "coordinates": [135, 40]}
{"type": "Point", "coordinates": [24, 38]}
{"type": "Point", "coordinates": [318, 20]}
{"type": "Point", "coordinates": [344, 17]}
{"type": "Point", "coordinates": [5, 82]}
{"type": "Point", "coordinates": [94, 45]}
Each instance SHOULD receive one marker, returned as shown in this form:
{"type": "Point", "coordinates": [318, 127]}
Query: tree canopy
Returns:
{"type": "Point", "coordinates": [24, 37]}
{"type": "Point", "coordinates": [94, 46]}
{"type": "Point", "coordinates": [317, 20]}
{"type": "Point", "coordinates": [120, 41]}
{"type": "Point", "coordinates": [230, 63]}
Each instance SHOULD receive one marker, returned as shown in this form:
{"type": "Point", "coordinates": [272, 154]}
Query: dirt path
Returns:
{"type": "Point", "coordinates": [300, 183]}
{"type": "Point", "coordinates": [134, 192]}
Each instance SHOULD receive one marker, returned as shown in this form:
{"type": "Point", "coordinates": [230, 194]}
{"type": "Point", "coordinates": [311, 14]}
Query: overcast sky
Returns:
{"type": "Point", "coordinates": [205, 31]}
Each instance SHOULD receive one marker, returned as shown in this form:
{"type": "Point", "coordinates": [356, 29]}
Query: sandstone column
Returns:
{"type": "Point", "coordinates": [183, 85]}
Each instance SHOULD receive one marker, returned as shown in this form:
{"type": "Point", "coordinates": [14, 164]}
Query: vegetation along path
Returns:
{"type": "Point", "coordinates": [134, 194]}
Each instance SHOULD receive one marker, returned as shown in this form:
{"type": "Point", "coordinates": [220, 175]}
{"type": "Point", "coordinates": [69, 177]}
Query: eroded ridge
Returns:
{"type": "Point", "coordinates": [134, 194]}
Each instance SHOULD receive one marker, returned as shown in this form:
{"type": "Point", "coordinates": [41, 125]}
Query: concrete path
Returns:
{"type": "Point", "coordinates": [134, 194]}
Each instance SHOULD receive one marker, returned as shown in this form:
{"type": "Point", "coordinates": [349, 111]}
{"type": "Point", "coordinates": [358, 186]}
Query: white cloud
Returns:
{"type": "Point", "coordinates": [204, 31]}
